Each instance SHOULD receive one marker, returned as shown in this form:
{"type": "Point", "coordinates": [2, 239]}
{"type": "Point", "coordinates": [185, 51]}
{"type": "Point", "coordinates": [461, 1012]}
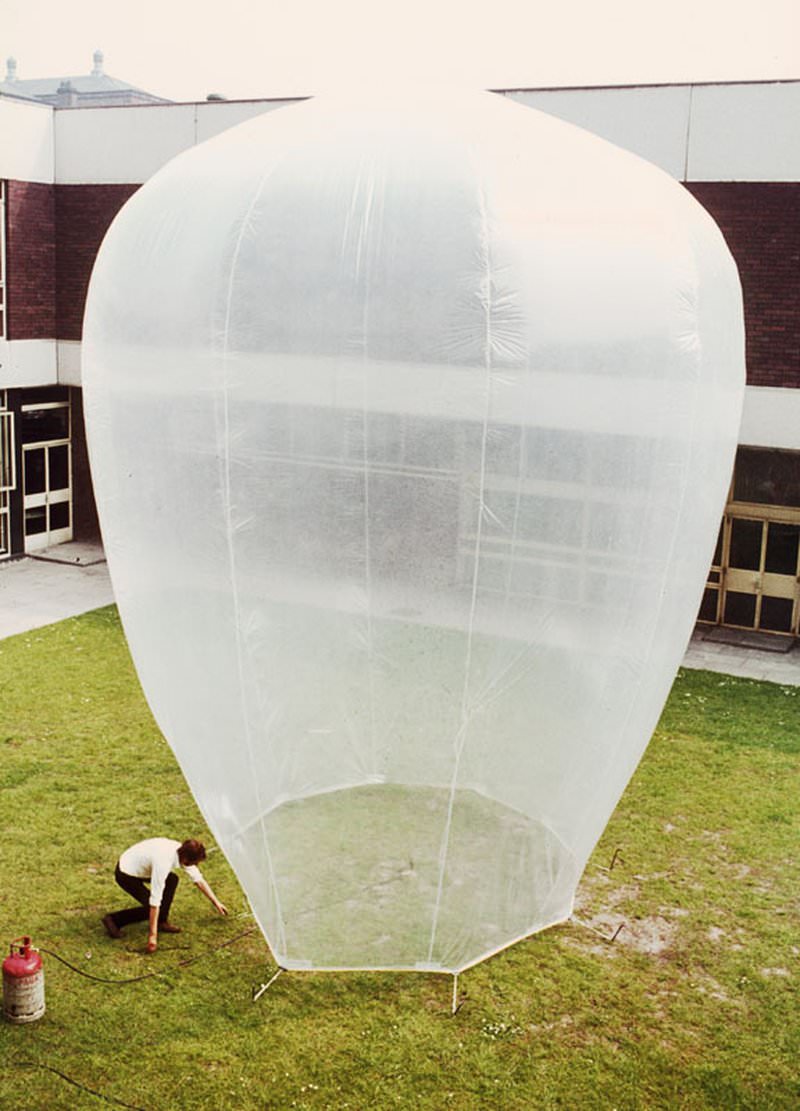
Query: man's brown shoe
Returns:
{"type": "Point", "coordinates": [112, 929]}
{"type": "Point", "coordinates": [168, 928]}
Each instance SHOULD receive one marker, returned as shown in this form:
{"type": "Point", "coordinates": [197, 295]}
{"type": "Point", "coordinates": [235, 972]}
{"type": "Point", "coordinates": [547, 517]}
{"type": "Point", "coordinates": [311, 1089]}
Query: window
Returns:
{"type": "Point", "coordinates": [767, 476]}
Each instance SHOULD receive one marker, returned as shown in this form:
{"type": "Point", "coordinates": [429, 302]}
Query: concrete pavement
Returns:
{"type": "Point", "coordinates": [73, 578]}
{"type": "Point", "coordinates": [59, 582]}
{"type": "Point", "coordinates": [743, 659]}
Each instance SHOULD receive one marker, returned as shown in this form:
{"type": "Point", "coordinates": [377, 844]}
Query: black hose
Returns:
{"type": "Point", "coordinates": [21, 1063]}
{"type": "Point", "coordinates": [146, 975]}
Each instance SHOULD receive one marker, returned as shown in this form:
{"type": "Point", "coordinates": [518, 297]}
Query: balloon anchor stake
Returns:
{"type": "Point", "coordinates": [614, 859]}
{"type": "Point", "coordinates": [454, 1005]}
{"type": "Point", "coordinates": [588, 926]}
{"type": "Point", "coordinates": [268, 984]}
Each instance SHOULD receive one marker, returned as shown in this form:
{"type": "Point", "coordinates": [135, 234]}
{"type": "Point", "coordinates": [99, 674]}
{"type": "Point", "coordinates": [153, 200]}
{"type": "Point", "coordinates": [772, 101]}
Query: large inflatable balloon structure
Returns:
{"type": "Point", "coordinates": [411, 423]}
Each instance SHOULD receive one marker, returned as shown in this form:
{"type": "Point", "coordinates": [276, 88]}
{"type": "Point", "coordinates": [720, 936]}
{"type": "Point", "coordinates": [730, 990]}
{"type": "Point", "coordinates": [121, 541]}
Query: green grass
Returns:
{"type": "Point", "coordinates": [695, 1005]}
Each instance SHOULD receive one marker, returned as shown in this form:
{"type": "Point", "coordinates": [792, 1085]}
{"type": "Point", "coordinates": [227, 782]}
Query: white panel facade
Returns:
{"type": "Point", "coordinates": [723, 132]}
{"type": "Point", "coordinates": [26, 141]}
{"type": "Point", "coordinates": [69, 362]}
{"type": "Point", "coordinates": [120, 145]}
{"type": "Point", "coordinates": [771, 418]}
{"type": "Point", "coordinates": [216, 116]}
{"type": "Point", "coordinates": [28, 362]}
{"type": "Point", "coordinates": [651, 122]}
{"type": "Point", "coordinates": [128, 145]}
{"type": "Point", "coordinates": [745, 132]}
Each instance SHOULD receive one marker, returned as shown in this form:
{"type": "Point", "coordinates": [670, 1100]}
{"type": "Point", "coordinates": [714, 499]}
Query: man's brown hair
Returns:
{"type": "Point", "coordinates": [191, 852]}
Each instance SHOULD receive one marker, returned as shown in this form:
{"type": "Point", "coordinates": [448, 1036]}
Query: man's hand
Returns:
{"type": "Point", "coordinates": [152, 943]}
{"type": "Point", "coordinates": [212, 898]}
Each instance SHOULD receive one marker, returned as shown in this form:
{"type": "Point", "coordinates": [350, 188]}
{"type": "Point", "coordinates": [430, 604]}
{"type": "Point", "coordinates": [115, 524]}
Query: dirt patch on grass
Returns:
{"type": "Point", "coordinates": [597, 909]}
{"type": "Point", "coordinates": [602, 888]}
{"type": "Point", "coordinates": [652, 934]}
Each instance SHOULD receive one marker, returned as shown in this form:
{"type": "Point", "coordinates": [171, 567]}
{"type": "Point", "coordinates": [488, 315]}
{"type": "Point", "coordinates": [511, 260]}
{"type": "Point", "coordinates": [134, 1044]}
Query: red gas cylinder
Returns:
{"type": "Point", "coordinates": [23, 982]}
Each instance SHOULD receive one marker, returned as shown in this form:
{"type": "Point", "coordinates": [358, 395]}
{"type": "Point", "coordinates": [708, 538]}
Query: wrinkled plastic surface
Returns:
{"type": "Point", "coordinates": [411, 425]}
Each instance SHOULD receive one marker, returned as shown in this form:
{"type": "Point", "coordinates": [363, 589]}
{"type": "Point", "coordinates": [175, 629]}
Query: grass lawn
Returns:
{"type": "Point", "coordinates": [695, 1005]}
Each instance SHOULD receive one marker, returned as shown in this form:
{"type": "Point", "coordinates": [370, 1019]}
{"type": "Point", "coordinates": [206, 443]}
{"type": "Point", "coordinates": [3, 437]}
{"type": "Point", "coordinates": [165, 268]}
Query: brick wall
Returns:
{"type": "Point", "coordinates": [85, 525]}
{"type": "Point", "coordinates": [83, 215]}
{"type": "Point", "coordinates": [30, 260]}
{"type": "Point", "coordinates": [54, 233]}
{"type": "Point", "coordinates": [761, 223]}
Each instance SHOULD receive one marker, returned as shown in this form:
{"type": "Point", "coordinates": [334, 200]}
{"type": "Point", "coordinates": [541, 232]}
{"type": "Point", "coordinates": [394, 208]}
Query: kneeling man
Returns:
{"type": "Point", "coordinates": [153, 861]}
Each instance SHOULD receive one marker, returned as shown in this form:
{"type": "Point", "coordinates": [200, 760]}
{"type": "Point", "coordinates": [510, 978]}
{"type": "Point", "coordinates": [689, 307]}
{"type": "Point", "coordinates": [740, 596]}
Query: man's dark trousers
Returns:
{"type": "Point", "coordinates": [140, 890]}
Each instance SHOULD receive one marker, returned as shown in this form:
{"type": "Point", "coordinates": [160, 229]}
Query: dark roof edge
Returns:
{"type": "Point", "coordinates": [23, 99]}
{"type": "Point", "coordinates": [509, 89]}
{"type": "Point", "coordinates": [532, 89]}
{"type": "Point", "coordinates": [647, 85]}
{"type": "Point", "coordinates": [183, 103]}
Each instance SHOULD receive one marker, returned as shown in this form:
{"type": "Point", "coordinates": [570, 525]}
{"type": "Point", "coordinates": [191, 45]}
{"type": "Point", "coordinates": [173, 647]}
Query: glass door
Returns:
{"type": "Point", "coordinates": [709, 607]}
{"type": "Point", "coordinates": [761, 575]}
{"type": "Point", "coordinates": [8, 480]}
{"type": "Point", "coordinates": [47, 495]}
{"type": "Point", "coordinates": [779, 583]}
{"type": "Point", "coordinates": [46, 467]}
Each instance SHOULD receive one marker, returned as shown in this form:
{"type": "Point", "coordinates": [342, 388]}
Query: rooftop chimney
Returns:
{"type": "Point", "coordinates": [66, 97]}
{"type": "Point", "coordinates": [98, 64]}
{"type": "Point", "coordinates": [11, 69]}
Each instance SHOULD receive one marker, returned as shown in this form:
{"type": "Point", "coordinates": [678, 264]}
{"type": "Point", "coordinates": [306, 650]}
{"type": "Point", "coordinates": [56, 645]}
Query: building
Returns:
{"type": "Point", "coordinates": [65, 170]}
{"type": "Point", "coordinates": [95, 89]}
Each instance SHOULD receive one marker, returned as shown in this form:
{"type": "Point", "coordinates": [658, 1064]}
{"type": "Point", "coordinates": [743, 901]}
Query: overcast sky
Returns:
{"type": "Point", "coordinates": [185, 49]}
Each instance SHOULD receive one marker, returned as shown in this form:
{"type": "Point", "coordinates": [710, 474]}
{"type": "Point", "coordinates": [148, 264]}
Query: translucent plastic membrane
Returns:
{"type": "Point", "coordinates": [411, 424]}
